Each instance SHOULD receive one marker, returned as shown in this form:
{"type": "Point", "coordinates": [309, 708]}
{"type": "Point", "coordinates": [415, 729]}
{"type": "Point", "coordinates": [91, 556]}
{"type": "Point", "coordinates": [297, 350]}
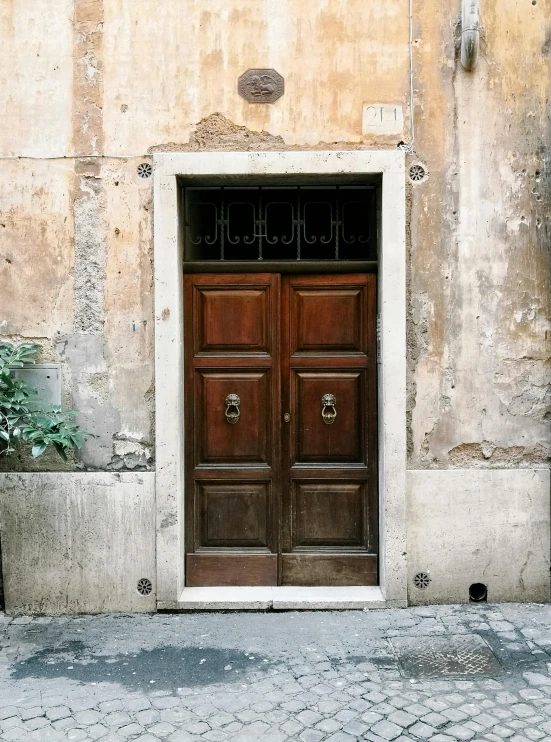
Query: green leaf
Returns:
{"type": "Point", "coordinates": [39, 449]}
{"type": "Point", "coordinates": [4, 436]}
{"type": "Point", "coordinates": [60, 450]}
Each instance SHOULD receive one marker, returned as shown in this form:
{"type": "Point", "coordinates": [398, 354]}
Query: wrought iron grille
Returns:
{"type": "Point", "coordinates": [280, 223]}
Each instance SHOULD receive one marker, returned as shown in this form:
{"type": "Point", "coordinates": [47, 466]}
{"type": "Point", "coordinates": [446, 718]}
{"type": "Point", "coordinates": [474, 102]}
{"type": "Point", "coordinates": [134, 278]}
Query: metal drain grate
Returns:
{"type": "Point", "coordinates": [144, 586]}
{"type": "Point", "coordinates": [450, 656]}
{"type": "Point", "coordinates": [422, 580]}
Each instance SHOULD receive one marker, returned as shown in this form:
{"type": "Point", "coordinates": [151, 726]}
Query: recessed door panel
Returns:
{"type": "Point", "coordinates": [328, 513]}
{"type": "Point", "coordinates": [232, 319]}
{"type": "Point", "coordinates": [233, 514]}
{"type": "Point", "coordinates": [233, 416]}
{"type": "Point", "coordinates": [328, 319]}
{"type": "Point", "coordinates": [323, 432]}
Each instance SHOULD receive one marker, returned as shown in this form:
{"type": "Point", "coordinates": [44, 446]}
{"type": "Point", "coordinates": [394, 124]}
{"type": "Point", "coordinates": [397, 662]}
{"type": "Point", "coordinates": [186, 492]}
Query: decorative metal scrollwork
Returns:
{"type": "Point", "coordinates": [232, 408]}
{"type": "Point", "coordinates": [280, 223]}
{"type": "Point", "coordinates": [328, 408]}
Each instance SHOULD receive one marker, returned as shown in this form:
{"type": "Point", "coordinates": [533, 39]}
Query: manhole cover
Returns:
{"type": "Point", "coordinates": [445, 656]}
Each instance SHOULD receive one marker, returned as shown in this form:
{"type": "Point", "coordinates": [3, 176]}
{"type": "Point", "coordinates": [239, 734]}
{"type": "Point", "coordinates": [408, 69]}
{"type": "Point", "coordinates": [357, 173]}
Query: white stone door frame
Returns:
{"type": "Point", "coordinates": [169, 336]}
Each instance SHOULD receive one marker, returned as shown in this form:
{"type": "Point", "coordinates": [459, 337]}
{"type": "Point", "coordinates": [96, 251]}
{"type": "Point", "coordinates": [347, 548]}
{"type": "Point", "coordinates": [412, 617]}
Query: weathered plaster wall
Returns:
{"type": "Point", "coordinates": [91, 87]}
{"type": "Point", "coordinates": [480, 393]}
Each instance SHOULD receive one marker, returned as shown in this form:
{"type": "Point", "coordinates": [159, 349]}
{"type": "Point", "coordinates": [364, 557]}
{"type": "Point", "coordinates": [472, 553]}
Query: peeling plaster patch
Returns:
{"type": "Point", "coordinates": [486, 455]}
{"type": "Point", "coordinates": [216, 132]}
{"type": "Point", "coordinates": [524, 387]}
{"type": "Point", "coordinates": [417, 341]}
{"type": "Point", "coordinates": [130, 453]}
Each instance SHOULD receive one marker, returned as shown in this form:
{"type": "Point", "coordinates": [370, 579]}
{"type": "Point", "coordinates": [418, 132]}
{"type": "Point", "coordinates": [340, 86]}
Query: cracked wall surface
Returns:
{"type": "Point", "coordinates": [93, 87]}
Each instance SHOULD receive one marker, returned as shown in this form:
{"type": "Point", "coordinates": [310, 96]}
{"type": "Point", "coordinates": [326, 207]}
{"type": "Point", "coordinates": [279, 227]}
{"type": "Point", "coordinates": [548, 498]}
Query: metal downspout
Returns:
{"type": "Point", "coordinates": [470, 33]}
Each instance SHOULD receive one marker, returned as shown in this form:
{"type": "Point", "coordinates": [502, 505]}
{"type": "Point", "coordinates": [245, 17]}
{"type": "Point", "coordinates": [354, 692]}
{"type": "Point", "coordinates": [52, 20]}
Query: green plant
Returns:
{"type": "Point", "coordinates": [24, 418]}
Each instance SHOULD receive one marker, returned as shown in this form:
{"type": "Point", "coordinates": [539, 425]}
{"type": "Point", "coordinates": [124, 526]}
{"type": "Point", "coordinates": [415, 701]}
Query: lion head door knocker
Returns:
{"type": "Point", "coordinates": [328, 408]}
{"type": "Point", "coordinates": [232, 408]}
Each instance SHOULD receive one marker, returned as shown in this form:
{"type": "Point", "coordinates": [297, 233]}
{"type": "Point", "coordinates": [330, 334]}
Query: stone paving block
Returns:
{"type": "Point", "coordinates": [534, 734]}
{"type": "Point", "coordinates": [10, 722]}
{"type": "Point", "coordinates": [403, 719]}
{"type": "Point", "coordinates": [16, 733]}
{"type": "Point", "coordinates": [78, 735]}
{"type": "Point", "coordinates": [460, 732]}
{"type": "Point", "coordinates": [311, 735]}
{"type": "Point", "coordinates": [387, 730]}
{"type": "Point", "coordinates": [503, 732]}
{"type": "Point", "coordinates": [136, 704]}
{"type": "Point", "coordinates": [87, 718]}
{"type": "Point", "coordinates": [147, 717]}
{"type": "Point", "coordinates": [179, 736]}
{"type": "Point", "coordinates": [96, 731]}
{"type": "Point", "coordinates": [421, 731]}
{"type": "Point", "coordinates": [31, 713]}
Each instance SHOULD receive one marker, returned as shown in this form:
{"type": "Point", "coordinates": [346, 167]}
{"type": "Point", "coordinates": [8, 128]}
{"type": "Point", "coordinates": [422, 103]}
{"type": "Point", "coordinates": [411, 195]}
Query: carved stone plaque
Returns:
{"type": "Point", "coordinates": [260, 86]}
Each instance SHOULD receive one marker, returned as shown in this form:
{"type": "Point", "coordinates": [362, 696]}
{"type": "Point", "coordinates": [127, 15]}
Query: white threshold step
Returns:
{"type": "Point", "coordinates": [280, 598]}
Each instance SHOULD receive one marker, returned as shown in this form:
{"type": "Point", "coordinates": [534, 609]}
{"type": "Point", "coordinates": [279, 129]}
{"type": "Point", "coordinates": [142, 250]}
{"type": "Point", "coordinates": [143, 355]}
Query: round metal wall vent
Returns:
{"type": "Point", "coordinates": [417, 173]}
{"type": "Point", "coordinates": [421, 580]}
{"type": "Point", "coordinates": [144, 586]}
{"type": "Point", "coordinates": [144, 170]}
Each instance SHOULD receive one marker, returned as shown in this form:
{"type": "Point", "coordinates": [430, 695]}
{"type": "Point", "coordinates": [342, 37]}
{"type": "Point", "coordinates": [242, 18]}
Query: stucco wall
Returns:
{"type": "Point", "coordinates": [120, 78]}
{"type": "Point", "coordinates": [93, 87]}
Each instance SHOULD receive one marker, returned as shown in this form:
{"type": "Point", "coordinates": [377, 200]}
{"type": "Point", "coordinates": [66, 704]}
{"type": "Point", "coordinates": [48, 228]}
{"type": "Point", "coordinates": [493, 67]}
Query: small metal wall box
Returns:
{"type": "Point", "coordinates": [46, 379]}
{"type": "Point", "coordinates": [261, 86]}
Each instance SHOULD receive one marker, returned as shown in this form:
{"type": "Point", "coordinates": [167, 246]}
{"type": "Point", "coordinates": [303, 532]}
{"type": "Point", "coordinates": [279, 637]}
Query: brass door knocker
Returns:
{"type": "Point", "coordinates": [328, 408]}
{"type": "Point", "coordinates": [232, 408]}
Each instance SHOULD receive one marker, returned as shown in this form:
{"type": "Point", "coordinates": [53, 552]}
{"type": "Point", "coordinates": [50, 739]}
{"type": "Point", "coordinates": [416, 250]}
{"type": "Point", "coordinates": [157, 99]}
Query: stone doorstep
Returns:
{"type": "Point", "coordinates": [280, 598]}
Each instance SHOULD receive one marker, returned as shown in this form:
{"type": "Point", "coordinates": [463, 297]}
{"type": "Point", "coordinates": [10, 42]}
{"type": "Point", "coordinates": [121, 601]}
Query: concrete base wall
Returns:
{"type": "Point", "coordinates": [77, 542]}
{"type": "Point", "coordinates": [487, 526]}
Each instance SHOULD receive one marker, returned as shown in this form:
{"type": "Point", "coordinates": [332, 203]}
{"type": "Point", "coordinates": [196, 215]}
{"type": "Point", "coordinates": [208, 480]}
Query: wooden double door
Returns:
{"type": "Point", "coordinates": [281, 442]}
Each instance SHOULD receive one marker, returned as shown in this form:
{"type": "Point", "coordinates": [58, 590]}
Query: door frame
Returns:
{"type": "Point", "coordinates": [169, 358]}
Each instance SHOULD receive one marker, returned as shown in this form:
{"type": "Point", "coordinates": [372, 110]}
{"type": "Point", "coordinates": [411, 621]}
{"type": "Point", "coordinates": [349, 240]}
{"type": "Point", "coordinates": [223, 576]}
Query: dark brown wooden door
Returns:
{"type": "Point", "coordinates": [232, 342]}
{"type": "Point", "coordinates": [280, 493]}
{"type": "Point", "coordinates": [329, 495]}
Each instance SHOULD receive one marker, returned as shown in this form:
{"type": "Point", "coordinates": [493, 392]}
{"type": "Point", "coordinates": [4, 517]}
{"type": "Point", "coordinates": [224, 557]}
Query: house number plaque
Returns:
{"type": "Point", "coordinates": [261, 86]}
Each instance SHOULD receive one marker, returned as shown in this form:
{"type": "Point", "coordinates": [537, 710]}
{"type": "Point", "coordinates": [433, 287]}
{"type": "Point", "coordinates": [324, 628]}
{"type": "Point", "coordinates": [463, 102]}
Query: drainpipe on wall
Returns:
{"type": "Point", "coordinates": [470, 33]}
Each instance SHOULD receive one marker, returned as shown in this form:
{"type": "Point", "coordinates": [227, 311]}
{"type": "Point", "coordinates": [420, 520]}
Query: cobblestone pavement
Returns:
{"type": "Point", "coordinates": [444, 673]}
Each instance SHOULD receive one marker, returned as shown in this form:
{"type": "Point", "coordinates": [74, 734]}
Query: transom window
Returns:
{"type": "Point", "coordinates": [229, 223]}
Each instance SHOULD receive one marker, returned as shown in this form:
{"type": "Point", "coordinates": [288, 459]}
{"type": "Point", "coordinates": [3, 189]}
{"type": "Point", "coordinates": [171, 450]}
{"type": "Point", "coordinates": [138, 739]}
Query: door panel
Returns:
{"type": "Point", "coordinates": [204, 570]}
{"type": "Point", "coordinates": [232, 320]}
{"type": "Point", "coordinates": [328, 569]}
{"type": "Point", "coordinates": [280, 478]}
{"type": "Point", "coordinates": [233, 514]}
{"type": "Point", "coordinates": [246, 441]}
{"type": "Point", "coordinates": [316, 440]}
{"type": "Point", "coordinates": [233, 456]}
{"type": "Point", "coordinates": [328, 320]}
{"type": "Point", "coordinates": [328, 513]}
